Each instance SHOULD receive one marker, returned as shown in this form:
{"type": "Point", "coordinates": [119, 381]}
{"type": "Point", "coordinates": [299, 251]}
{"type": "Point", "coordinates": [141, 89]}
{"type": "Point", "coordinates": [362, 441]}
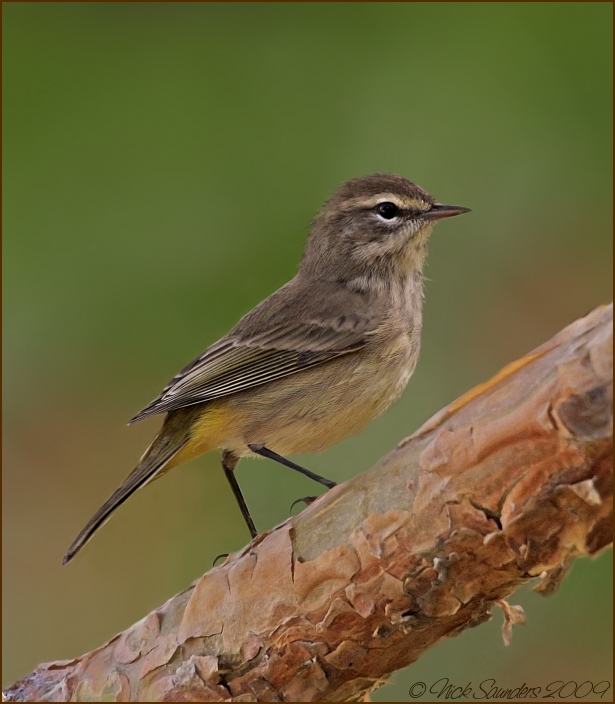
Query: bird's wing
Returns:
{"type": "Point", "coordinates": [266, 346]}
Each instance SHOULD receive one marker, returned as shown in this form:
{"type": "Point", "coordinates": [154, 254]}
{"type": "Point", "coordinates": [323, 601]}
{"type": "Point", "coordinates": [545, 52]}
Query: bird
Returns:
{"type": "Point", "coordinates": [314, 362]}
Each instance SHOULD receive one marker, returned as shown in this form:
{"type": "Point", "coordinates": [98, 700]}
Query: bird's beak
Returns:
{"type": "Point", "coordinates": [439, 211]}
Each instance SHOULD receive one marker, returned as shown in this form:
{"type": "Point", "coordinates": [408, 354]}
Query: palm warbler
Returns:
{"type": "Point", "coordinates": [317, 360]}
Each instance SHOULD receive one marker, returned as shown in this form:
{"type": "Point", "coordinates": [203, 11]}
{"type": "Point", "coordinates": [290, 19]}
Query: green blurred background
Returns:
{"type": "Point", "coordinates": [162, 162]}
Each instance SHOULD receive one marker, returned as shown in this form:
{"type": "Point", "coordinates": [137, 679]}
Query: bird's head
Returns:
{"type": "Point", "coordinates": [376, 223]}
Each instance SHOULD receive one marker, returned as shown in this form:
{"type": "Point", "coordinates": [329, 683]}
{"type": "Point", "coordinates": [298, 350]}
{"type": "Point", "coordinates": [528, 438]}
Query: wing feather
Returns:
{"type": "Point", "coordinates": [273, 341]}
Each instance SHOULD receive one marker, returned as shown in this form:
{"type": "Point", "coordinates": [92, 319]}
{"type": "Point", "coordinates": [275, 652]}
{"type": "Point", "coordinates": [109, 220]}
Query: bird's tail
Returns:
{"type": "Point", "coordinates": [152, 465]}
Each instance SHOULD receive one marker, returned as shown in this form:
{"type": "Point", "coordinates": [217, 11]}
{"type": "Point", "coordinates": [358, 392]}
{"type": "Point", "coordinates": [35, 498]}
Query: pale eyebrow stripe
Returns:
{"type": "Point", "coordinates": [372, 201]}
{"type": "Point", "coordinates": [381, 198]}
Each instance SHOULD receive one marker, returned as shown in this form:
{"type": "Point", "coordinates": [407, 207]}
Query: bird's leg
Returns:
{"type": "Point", "coordinates": [266, 452]}
{"type": "Point", "coordinates": [229, 462]}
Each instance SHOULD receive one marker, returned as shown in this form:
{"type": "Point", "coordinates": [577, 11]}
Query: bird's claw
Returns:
{"type": "Point", "coordinates": [307, 500]}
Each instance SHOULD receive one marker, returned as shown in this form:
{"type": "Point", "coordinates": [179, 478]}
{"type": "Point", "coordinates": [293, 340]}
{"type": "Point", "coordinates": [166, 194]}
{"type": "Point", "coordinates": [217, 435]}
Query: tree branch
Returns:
{"type": "Point", "coordinates": [509, 482]}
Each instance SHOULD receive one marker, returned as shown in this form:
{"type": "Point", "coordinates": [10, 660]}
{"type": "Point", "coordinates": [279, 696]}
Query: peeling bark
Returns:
{"type": "Point", "coordinates": [508, 483]}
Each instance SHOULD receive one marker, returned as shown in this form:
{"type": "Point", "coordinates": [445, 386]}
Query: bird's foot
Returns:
{"type": "Point", "coordinates": [307, 500]}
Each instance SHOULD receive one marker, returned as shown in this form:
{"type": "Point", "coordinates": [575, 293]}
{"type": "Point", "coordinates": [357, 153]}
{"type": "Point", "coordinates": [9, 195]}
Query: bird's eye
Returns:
{"type": "Point", "coordinates": [388, 211]}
